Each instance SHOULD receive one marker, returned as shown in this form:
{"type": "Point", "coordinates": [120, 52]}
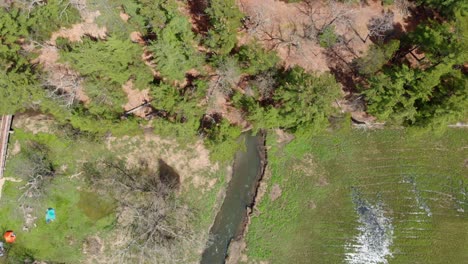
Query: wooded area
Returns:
{"type": "Point", "coordinates": [201, 72]}
{"type": "Point", "coordinates": [194, 73]}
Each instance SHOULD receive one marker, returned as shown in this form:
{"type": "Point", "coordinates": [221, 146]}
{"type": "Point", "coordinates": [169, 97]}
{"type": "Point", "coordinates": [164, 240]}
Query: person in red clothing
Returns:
{"type": "Point", "coordinates": [9, 236]}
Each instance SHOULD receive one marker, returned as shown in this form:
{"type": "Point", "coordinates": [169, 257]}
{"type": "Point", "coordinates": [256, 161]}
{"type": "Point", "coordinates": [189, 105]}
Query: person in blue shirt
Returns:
{"type": "Point", "coordinates": [50, 215]}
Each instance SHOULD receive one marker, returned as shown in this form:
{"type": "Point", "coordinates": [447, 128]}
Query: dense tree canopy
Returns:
{"type": "Point", "coordinates": [434, 92]}
{"type": "Point", "coordinates": [174, 50]}
{"type": "Point", "coordinates": [273, 96]}
{"type": "Point", "coordinates": [414, 97]}
{"type": "Point", "coordinates": [226, 20]}
{"type": "Point", "coordinates": [17, 84]}
{"type": "Point", "coordinates": [305, 99]}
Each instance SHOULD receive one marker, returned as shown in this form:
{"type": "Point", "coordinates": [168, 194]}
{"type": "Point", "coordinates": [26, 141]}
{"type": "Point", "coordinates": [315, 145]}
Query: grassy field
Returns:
{"type": "Point", "coordinates": [81, 213]}
{"type": "Point", "coordinates": [59, 241]}
{"type": "Point", "coordinates": [412, 184]}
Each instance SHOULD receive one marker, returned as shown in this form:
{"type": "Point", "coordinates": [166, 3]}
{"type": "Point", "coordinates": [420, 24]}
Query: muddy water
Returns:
{"type": "Point", "coordinates": [229, 222]}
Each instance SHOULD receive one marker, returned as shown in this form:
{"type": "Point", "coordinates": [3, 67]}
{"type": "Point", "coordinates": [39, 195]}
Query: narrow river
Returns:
{"type": "Point", "coordinates": [240, 194]}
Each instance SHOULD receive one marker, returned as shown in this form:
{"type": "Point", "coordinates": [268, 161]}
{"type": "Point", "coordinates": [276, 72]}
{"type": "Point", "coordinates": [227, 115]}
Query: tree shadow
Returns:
{"type": "Point", "coordinates": [417, 15]}
{"type": "Point", "coordinates": [200, 18]}
{"type": "Point", "coordinates": [168, 175]}
{"type": "Point", "coordinates": [344, 71]}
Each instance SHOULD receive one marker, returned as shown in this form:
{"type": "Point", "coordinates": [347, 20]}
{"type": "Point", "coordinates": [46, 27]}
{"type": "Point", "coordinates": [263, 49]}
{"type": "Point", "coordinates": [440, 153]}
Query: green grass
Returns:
{"type": "Point", "coordinates": [59, 241]}
{"type": "Point", "coordinates": [314, 218]}
{"type": "Point", "coordinates": [81, 211]}
{"type": "Point", "coordinates": [94, 206]}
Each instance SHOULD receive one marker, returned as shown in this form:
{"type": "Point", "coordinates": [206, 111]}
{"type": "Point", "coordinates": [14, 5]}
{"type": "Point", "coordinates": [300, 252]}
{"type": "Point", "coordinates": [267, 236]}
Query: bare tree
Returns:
{"type": "Point", "coordinates": [158, 228]}
{"type": "Point", "coordinates": [279, 37]}
{"type": "Point", "coordinates": [265, 84]}
{"type": "Point", "coordinates": [63, 88]}
{"type": "Point", "coordinates": [320, 17]}
{"type": "Point", "coordinates": [403, 7]}
{"type": "Point", "coordinates": [380, 27]}
{"type": "Point", "coordinates": [257, 21]}
{"type": "Point", "coordinates": [29, 5]}
{"type": "Point", "coordinates": [227, 77]}
{"type": "Point", "coordinates": [36, 170]}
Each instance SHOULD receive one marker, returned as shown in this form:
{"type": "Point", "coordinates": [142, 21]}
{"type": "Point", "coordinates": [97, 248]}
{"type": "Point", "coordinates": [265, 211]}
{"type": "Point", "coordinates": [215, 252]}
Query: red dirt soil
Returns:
{"type": "Point", "coordinates": [286, 21]}
{"type": "Point", "coordinates": [135, 99]}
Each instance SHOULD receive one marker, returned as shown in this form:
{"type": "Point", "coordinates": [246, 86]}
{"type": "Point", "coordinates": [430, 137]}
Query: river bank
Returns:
{"type": "Point", "coordinates": [232, 218]}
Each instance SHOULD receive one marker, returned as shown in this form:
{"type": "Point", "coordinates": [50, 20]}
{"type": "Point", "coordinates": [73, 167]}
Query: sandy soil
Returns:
{"type": "Point", "coordinates": [77, 31]}
{"type": "Point", "coordinates": [124, 16]}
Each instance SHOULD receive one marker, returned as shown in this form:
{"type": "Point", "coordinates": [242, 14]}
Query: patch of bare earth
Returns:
{"type": "Point", "coordinates": [37, 123]}
{"type": "Point", "coordinates": [146, 56]}
{"type": "Point", "coordinates": [93, 247]}
{"type": "Point", "coordinates": [218, 104]}
{"type": "Point", "coordinates": [124, 16]}
{"type": "Point", "coordinates": [357, 107]}
{"type": "Point", "coordinates": [291, 29]}
{"type": "Point", "coordinates": [192, 163]}
{"type": "Point", "coordinates": [235, 252]}
{"type": "Point", "coordinates": [311, 205]}
{"type": "Point", "coordinates": [283, 138]}
{"type": "Point", "coordinates": [275, 192]}
{"type": "Point", "coordinates": [136, 98]}
{"type": "Point", "coordinates": [16, 148]}
{"type": "Point", "coordinates": [66, 83]}
{"type": "Point", "coordinates": [77, 31]}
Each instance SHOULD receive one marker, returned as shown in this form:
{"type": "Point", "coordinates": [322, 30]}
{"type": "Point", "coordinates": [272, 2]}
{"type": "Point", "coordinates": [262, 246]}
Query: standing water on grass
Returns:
{"type": "Point", "coordinates": [240, 193]}
{"type": "Point", "coordinates": [372, 245]}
